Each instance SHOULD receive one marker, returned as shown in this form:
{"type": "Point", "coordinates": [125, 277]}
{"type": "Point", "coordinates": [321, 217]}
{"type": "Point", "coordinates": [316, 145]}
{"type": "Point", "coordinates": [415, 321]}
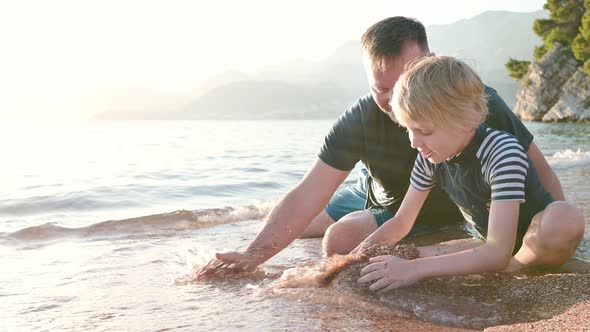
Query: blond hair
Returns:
{"type": "Point", "coordinates": [441, 90]}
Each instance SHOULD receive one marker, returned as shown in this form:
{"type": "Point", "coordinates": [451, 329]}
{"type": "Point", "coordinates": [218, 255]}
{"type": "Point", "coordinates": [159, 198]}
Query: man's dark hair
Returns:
{"type": "Point", "coordinates": [388, 38]}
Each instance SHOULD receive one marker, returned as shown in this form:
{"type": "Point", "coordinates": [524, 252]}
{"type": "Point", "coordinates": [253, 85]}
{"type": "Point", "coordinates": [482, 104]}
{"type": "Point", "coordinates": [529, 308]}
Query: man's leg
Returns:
{"type": "Point", "coordinates": [318, 226]}
{"type": "Point", "coordinates": [353, 228]}
{"type": "Point", "coordinates": [345, 224]}
{"type": "Point", "coordinates": [551, 238]}
{"type": "Point", "coordinates": [349, 232]}
{"type": "Point", "coordinates": [343, 202]}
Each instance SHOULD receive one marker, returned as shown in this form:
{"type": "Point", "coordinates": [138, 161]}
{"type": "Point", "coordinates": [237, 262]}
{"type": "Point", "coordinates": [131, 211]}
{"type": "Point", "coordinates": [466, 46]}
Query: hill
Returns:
{"type": "Point", "coordinates": [323, 89]}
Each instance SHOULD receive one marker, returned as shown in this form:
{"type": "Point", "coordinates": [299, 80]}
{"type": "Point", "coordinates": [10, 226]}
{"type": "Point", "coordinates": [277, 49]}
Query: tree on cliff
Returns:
{"type": "Point", "coordinates": [563, 26]}
{"type": "Point", "coordinates": [581, 43]}
{"type": "Point", "coordinates": [517, 68]}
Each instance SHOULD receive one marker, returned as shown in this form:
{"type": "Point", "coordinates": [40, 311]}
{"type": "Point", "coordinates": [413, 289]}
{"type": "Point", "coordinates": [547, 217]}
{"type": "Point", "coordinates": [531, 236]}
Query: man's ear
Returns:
{"type": "Point", "coordinates": [431, 54]}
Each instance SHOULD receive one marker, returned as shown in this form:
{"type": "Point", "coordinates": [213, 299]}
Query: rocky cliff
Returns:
{"type": "Point", "coordinates": [554, 89]}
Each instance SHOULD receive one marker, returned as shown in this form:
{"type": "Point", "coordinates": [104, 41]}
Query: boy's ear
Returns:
{"type": "Point", "coordinates": [431, 54]}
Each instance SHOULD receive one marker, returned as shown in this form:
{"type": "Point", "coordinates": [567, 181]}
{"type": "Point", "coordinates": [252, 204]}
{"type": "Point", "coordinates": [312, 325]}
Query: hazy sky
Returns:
{"type": "Point", "coordinates": [55, 50]}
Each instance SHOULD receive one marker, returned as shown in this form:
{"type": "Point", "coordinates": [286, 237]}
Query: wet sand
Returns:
{"type": "Point", "coordinates": [576, 318]}
{"type": "Point", "coordinates": [532, 300]}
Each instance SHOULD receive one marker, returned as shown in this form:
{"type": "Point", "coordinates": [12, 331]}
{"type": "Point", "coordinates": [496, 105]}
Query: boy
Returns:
{"type": "Point", "coordinates": [486, 172]}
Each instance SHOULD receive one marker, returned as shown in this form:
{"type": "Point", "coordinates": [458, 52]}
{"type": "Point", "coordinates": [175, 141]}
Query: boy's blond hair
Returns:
{"type": "Point", "coordinates": [441, 90]}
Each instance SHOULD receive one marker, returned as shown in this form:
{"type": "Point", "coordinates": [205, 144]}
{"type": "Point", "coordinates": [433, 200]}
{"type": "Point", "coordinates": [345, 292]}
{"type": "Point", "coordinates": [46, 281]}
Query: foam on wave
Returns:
{"type": "Point", "coordinates": [180, 220]}
{"type": "Point", "coordinates": [569, 158]}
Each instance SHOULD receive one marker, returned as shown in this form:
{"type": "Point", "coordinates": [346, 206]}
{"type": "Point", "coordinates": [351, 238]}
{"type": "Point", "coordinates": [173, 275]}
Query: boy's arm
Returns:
{"type": "Point", "coordinates": [388, 272]}
{"type": "Point", "coordinates": [399, 226]}
{"type": "Point", "coordinates": [493, 256]}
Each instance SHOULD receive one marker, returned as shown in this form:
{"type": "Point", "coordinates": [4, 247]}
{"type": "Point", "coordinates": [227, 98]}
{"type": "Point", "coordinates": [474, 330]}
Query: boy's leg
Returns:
{"type": "Point", "coordinates": [551, 238]}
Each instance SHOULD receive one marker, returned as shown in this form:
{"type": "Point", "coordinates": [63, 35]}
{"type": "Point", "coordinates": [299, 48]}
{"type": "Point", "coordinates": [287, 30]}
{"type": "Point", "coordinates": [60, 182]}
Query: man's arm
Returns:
{"type": "Point", "coordinates": [546, 174]}
{"type": "Point", "coordinates": [288, 219]}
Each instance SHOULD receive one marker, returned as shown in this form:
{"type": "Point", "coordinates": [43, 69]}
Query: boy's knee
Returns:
{"type": "Point", "coordinates": [564, 224]}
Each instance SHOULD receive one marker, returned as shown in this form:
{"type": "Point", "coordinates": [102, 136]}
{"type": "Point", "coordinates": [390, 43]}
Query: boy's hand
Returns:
{"type": "Point", "coordinates": [362, 247]}
{"type": "Point", "coordinates": [226, 263]}
{"type": "Point", "coordinates": [389, 272]}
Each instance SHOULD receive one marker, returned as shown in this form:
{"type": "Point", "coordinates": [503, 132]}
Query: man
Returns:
{"type": "Point", "coordinates": [366, 133]}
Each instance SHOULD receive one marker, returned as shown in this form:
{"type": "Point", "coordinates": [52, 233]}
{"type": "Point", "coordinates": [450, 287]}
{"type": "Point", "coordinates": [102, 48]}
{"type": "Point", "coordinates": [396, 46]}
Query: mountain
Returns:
{"type": "Point", "coordinates": [214, 82]}
{"type": "Point", "coordinates": [323, 89]}
{"type": "Point", "coordinates": [486, 42]}
{"type": "Point", "coordinates": [267, 100]}
{"type": "Point", "coordinates": [125, 102]}
{"type": "Point", "coordinates": [489, 39]}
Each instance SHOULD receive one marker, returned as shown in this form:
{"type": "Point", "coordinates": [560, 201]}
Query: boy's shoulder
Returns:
{"type": "Point", "coordinates": [485, 131]}
{"type": "Point", "coordinates": [491, 140]}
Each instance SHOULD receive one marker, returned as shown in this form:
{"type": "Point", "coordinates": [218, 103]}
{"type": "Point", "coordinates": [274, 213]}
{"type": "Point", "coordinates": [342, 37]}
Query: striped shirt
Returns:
{"type": "Point", "coordinates": [493, 167]}
{"type": "Point", "coordinates": [504, 166]}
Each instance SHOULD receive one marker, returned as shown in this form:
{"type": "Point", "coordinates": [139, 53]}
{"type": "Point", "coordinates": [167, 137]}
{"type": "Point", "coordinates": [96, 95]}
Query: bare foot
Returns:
{"type": "Point", "coordinates": [575, 265]}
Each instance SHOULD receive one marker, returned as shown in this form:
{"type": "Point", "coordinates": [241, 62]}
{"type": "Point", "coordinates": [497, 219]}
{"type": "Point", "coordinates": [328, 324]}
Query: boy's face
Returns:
{"type": "Point", "coordinates": [438, 144]}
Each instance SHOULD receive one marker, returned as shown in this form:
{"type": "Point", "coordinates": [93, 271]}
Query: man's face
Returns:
{"type": "Point", "coordinates": [383, 80]}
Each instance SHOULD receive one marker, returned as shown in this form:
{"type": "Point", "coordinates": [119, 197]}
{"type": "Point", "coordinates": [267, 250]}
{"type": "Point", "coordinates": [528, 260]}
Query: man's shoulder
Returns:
{"type": "Point", "coordinates": [367, 101]}
{"type": "Point", "coordinates": [497, 107]}
{"type": "Point", "coordinates": [493, 98]}
{"type": "Point", "coordinates": [488, 90]}
{"type": "Point", "coordinates": [360, 111]}
{"type": "Point", "coordinates": [364, 104]}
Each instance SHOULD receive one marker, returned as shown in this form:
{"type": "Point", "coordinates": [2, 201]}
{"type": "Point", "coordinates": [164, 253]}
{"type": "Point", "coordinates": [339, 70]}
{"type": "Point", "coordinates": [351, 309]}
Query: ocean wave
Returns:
{"type": "Point", "coordinates": [176, 221]}
{"type": "Point", "coordinates": [126, 196]}
{"type": "Point", "coordinates": [569, 158]}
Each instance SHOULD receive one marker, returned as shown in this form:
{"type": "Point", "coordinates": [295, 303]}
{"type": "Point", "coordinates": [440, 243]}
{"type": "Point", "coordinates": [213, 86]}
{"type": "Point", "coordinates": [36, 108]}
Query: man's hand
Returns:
{"type": "Point", "coordinates": [389, 272]}
{"type": "Point", "coordinates": [226, 263]}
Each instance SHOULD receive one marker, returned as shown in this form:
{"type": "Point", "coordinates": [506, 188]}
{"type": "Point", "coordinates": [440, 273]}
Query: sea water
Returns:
{"type": "Point", "coordinates": [59, 178]}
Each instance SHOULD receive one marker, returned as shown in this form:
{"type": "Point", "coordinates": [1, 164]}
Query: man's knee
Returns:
{"type": "Point", "coordinates": [337, 239]}
{"type": "Point", "coordinates": [344, 235]}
